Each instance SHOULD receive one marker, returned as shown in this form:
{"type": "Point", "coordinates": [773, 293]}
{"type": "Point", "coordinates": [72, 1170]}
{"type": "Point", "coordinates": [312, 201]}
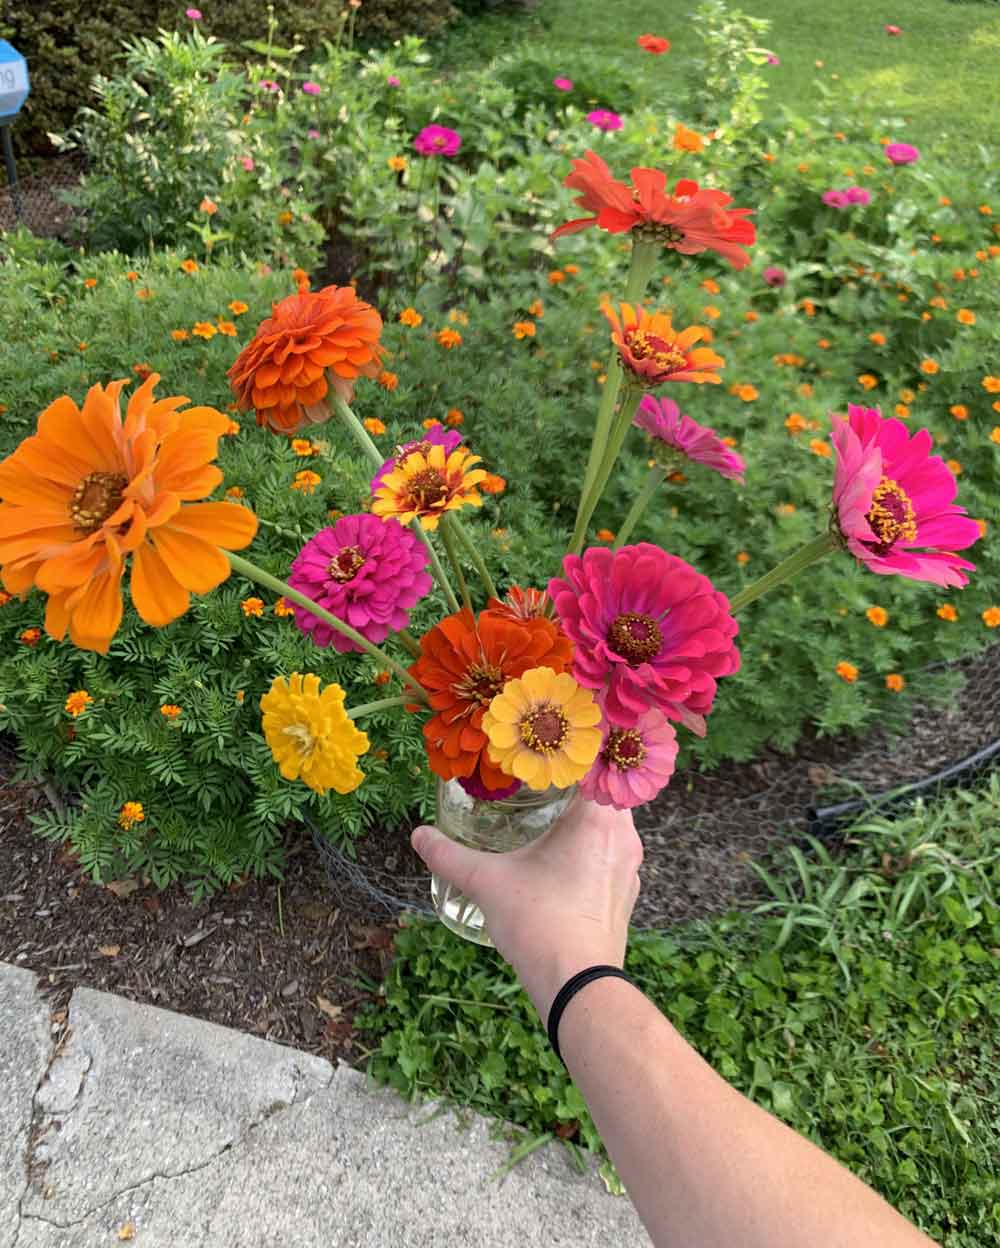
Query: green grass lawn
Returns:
{"type": "Point", "coordinates": [941, 75]}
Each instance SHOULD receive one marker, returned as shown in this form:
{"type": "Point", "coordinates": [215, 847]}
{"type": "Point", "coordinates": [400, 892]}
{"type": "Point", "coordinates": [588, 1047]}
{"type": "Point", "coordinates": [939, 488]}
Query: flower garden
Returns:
{"type": "Point", "coordinates": [274, 555]}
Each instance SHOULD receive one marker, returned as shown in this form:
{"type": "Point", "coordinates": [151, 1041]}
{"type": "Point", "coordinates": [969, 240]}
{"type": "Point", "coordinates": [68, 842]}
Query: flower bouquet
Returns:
{"type": "Point", "coordinates": [526, 692]}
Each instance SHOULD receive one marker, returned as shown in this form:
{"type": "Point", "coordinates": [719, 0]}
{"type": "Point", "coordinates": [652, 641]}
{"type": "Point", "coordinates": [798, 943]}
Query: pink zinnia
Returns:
{"type": "Point", "coordinates": [366, 571]}
{"type": "Point", "coordinates": [436, 435]}
{"type": "Point", "coordinates": [392, 81]}
{"type": "Point", "coordinates": [893, 30]}
{"type": "Point", "coordinates": [437, 141]}
{"type": "Point", "coordinates": [902, 153]}
{"type": "Point", "coordinates": [772, 59]}
{"type": "Point", "coordinates": [313, 134]}
{"type": "Point", "coordinates": [193, 14]}
{"type": "Point", "coordinates": [663, 421]}
{"type": "Point", "coordinates": [268, 84]}
{"type": "Point", "coordinates": [892, 495]}
{"type": "Point", "coordinates": [604, 119]}
{"type": "Point", "coordinates": [648, 632]}
{"type": "Point", "coordinates": [634, 763]}
{"type": "Point", "coordinates": [775, 276]}
{"type": "Point", "coordinates": [311, 88]}
{"type": "Point", "coordinates": [563, 84]}
{"type": "Point", "coordinates": [247, 163]}
{"type": "Point", "coordinates": [858, 195]}
{"type": "Point", "coordinates": [834, 199]}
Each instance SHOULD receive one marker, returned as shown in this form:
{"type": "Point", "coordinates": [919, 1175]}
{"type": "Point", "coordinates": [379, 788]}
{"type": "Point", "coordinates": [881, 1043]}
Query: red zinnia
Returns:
{"type": "Point", "coordinates": [654, 43]}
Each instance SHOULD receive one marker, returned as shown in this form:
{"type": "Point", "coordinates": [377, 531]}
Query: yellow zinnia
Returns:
{"type": "Point", "coordinates": [427, 482]}
{"type": "Point", "coordinates": [543, 729]}
{"type": "Point", "coordinates": [311, 735]}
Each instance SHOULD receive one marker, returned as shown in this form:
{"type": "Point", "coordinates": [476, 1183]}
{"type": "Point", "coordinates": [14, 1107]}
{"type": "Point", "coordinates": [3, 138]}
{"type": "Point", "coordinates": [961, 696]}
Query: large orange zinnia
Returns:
{"type": "Point", "coordinates": [654, 352]}
{"type": "Point", "coordinates": [282, 372]}
{"type": "Point", "coordinates": [88, 489]}
{"type": "Point", "coordinates": [691, 220]}
{"type": "Point", "coordinates": [464, 663]}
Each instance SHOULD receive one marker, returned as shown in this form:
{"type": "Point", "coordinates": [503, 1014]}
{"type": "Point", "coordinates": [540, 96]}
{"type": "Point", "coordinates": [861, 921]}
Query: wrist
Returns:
{"type": "Point", "coordinates": [551, 968]}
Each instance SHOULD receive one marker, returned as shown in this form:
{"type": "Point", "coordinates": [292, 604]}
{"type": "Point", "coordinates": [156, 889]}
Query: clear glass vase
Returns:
{"type": "Point", "coordinates": [497, 827]}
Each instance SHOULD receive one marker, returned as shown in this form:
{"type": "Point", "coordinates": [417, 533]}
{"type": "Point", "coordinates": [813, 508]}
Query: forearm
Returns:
{"type": "Point", "coordinates": [704, 1166]}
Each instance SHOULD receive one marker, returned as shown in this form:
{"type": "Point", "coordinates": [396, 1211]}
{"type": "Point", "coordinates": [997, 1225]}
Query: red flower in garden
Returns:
{"type": "Point", "coordinates": [654, 43]}
{"type": "Point", "coordinates": [690, 221]}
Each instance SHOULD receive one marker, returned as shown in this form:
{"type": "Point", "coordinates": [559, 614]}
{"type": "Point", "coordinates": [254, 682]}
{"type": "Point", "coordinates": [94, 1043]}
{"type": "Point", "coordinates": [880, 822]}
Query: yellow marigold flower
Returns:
{"type": "Point", "coordinates": [454, 418]}
{"type": "Point", "coordinates": [306, 481]}
{"type": "Point", "coordinates": [283, 608]}
{"type": "Point", "coordinates": [238, 307]}
{"type": "Point", "coordinates": [449, 338]}
{"type": "Point", "coordinates": [556, 276]}
{"type": "Point", "coordinates": [878, 616]}
{"type": "Point", "coordinates": [907, 396]}
{"type": "Point", "coordinates": [77, 702]}
{"type": "Point", "coordinates": [426, 484]}
{"type": "Point", "coordinates": [686, 140]}
{"type": "Point", "coordinates": [543, 729]}
{"type": "Point", "coordinates": [204, 329]}
{"type": "Point", "coordinates": [930, 367]}
{"type": "Point", "coordinates": [846, 671]}
{"type": "Point", "coordinates": [959, 411]}
{"type": "Point", "coordinates": [252, 607]}
{"type": "Point", "coordinates": [991, 385]}
{"type": "Point", "coordinates": [653, 352]}
{"type": "Point", "coordinates": [947, 612]}
{"type": "Point", "coordinates": [868, 381]}
{"type": "Point", "coordinates": [387, 380]}
{"type": "Point", "coordinates": [310, 734]}
{"type": "Point", "coordinates": [411, 317]}
{"type": "Point", "coordinates": [374, 426]}
{"type": "Point", "coordinates": [965, 316]}
{"type": "Point", "coordinates": [895, 683]}
{"type": "Point", "coordinates": [179, 335]}
{"type": "Point", "coordinates": [189, 266]}
{"type": "Point", "coordinates": [285, 218]}
{"type": "Point", "coordinates": [821, 447]}
{"type": "Point", "coordinates": [131, 813]}
{"type": "Point", "coordinates": [227, 328]}
{"type": "Point", "coordinates": [537, 308]}
{"type": "Point", "coordinates": [397, 163]}
{"type": "Point", "coordinates": [523, 329]}
{"type": "Point", "coordinates": [878, 339]}
{"type": "Point", "coordinates": [171, 711]}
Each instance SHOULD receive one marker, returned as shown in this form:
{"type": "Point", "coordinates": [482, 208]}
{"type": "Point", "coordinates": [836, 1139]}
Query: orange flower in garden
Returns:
{"type": "Point", "coordinates": [746, 392]}
{"type": "Point", "coordinates": [991, 617]}
{"type": "Point", "coordinates": [303, 446]}
{"type": "Point", "coordinates": [132, 275]}
{"type": "Point", "coordinates": [388, 381]}
{"type": "Point", "coordinates": [742, 558]}
{"type": "Point", "coordinates": [868, 381]}
{"type": "Point", "coordinates": [690, 221]}
{"type": "Point", "coordinates": [995, 434]}
{"type": "Point", "coordinates": [653, 43]}
{"type": "Point", "coordinates": [374, 426]}
{"type": "Point", "coordinates": [605, 535]}
{"type": "Point", "coordinates": [808, 307]}
{"type": "Point", "coordinates": [954, 467]}
{"type": "Point", "coordinates": [397, 164]}
{"type": "Point", "coordinates": [252, 607]}
{"type": "Point", "coordinates": [30, 636]}
{"type": "Point", "coordinates": [959, 411]}
{"type": "Point", "coordinates": [283, 608]}
{"type": "Point", "coordinates": [232, 429]}
{"type": "Point", "coordinates": [686, 140]}
{"type": "Point", "coordinates": [427, 482]}
{"type": "Point", "coordinates": [227, 328]}
{"type": "Point", "coordinates": [170, 710]}
{"type": "Point", "coordinates": [878, 339]}
{"type": "Point", "coordinates": [179, 335]}
{"type": "Point", "coordinates": [189, 266]}
{"type": "Point", "coordinates": [306, 481]}
{"type": "Point", "coordinates": [449, 338]}
{"type": "Point", "coordinates": [142, 371]}
{"type": "Point", "coordinates": [711, 312]}
{"type": "Point", "coordinates": [878, 616]}
{"type": "Point", "coordinates": [930, 367]}
{"type": "Point", "coordinates": [991, 385]}
{"type": "Point", "coordinates": [238, 307]}
{"type": "Point", "coordinates": [89, 489]}
{"type": "Point", "coordinates": [907, 396]}
{"type": "Point", "coordinates": [454, 418]}
{"type": "Point", "coordinates": [301, 279]}
{"type": "Point", "coordinates": [895, 683]}
{"type": "Point", "coordinates": [430, 423]}
{"type": "Point", "coordinates": [208, 206]}
{"type": "Point", "coordinates": [131, 813]}
{"type": "Point", "coordinates": [556, 276]}
{"type": "Point", "coordinates": [965, 317]}
{"type": "Point", "coordinates": [902, 411]}
{"type": "Point", "coordinates": [310, 337]}
{"type": "Point", "coordinates": [411, 317]}
{"type": "Point", "coordinates": [751, 316]}
{"type": "Point", "coordinates": [235, 491]}
{"type": "Point", "coordinates": [710, 286]}
{"type": "Point", "coordinates": [847, 671]}
{"type": "Point", "coordinates": [144, 293]}
{"type": "Point", "coordinates": [947, 612]}
{"type": "Point", "coordinates": [795, 422]}
{"type": "Point", "coordinates": [654, 352]}
{"type": "Point", "coordinates": [537, 308]}
{"type": "Point", "coordinates": [204, 329]}
{"type": "Point", "coordinates": [492, 483]}
{"type": "Point", "coordinates": [77, 702]}
{"type": "Point", "coordinates": [90, 282]}
{"type": "Point", "coordinates": [523, 329]}
{"type": "Point", "coordinates": [821, 447]}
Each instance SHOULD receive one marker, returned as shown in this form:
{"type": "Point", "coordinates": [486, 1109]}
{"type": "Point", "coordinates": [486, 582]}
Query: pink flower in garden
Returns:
{"type": "Point", "coordinates": [663, 420]}
{"type": "Point", "coordinates": [563, 84]}
{"type": "Point", "coordinates": [437, 141]}
{"type": "Point", "coordinates": [313, 134]}
{"type": "Point", "coordinates": [393, 81]}
{"type": "Point", "coordinates": [247, 163]}
{"type": "Point", "coordinates": [858, 195]}
{"type": "Point", "coordinates": [268, 84]}
{"type": "Point", "coordinates": [774, 276]}
{"type": "Point", "coordinates": [194, 14]}
{"type": "Point", "coordinates": [436, 435]}
{"type": "Point", "coordinates": [902, 153]}
{"type": "Point", "coordinates": [893, 495]}
{"type": "Point", "coordinates": [834, 199]}
{"type": "Point", "coordinates": [772, 59]}
{"type": "Point", "coordinates": [604, 119]}
{"type": "Point", "coordinates": [311, 88]}
{"type": "Point", "coordinates": [893, 30]}
{"type": "Point", "coordinates": [634, 763]}
{"type": "Point", "coordinates": [648, 631]}
{"type": "Point", "coordinates": [364, 570]}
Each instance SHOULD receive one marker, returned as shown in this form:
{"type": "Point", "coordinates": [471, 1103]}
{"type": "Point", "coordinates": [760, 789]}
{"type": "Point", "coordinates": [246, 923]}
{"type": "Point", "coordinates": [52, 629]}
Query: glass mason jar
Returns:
{"type": "Point", "coordinates": [494, 826]}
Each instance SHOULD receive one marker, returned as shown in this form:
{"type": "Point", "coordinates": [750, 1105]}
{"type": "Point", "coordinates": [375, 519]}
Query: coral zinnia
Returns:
{"type": "Point", "coordinates": [429, 483]}
{"type": "Point", "coordinates": [679, 435]}
{"type": "Point", "coordinates": [311, 735]}
{"type": "Point", "coordinates": [309, 337]}
{"type": "Point", "coordinates": [367, 572]}
{"type": "Point", "coordinates": [436, 435]}
{"type": "Point", "coordinates": [648, 630]}
{"type": "Point", "coordinates": [654, 352]}
{"type": "Point", "coordinates": [464, 663]}
{"type": "Point", "coordinates": [520, 604]}
{"type": "Point", "coordinates": [892, 495]}
{"type": "Point", "coordinates": [690, 221]}
{"type": "Point", "coordinates": [542, 729]}
{"type": "Point", "coordinates": [634, 764]}
{"type": "Point", "coordinates": [88, 489]}
{"type": "Point", "coordinates": [654, 43]}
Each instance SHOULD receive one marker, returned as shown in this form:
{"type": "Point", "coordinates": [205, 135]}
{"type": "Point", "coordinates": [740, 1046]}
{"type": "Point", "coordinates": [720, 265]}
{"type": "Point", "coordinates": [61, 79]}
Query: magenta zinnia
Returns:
{"type": "Point", "coordinates": [680, 436]}
{"type": "Point", "coordinates": [367, 572]}
{"type": "Point", "coordinates": [648, 630]}
{"type": "Point", "coordinates": [893, 495]}
{"type": "Point", "coordinates": [437, 141]}
{"type": "Point", "coordinates": [634, 763]}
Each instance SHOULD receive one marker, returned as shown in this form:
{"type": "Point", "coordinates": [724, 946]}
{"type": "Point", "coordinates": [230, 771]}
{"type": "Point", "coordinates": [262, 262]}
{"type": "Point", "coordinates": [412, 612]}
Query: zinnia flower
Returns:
{"type": "Point", "coordinates": [648, 630]}
{"type": "Point", "coordinates": [520, 604]}
{"type": "Point", "coordinates": [652, 351]}
{"type": "Point", "coordinates": [605, 119]}
{"type": "Point", "coordinates": [902, 153]}
{"type": "Point", "coordinates": [893, 30]}
{"type": "Point", "coordinates": [834, 199]}
{"type": "Point", "coordinates": [311, 735]}
{"type": "Point", "coordinates": [858, 195]}
{"type": "Point", "coordinates": [691, 220]}
{"type": "Point", "coordinates": [464, 663]}
{"type": "Point", "coordinates": [311, 88]}
{"type": "Point", "coordinates": [437, 141]}
{"type": "Point", "coordinates": [365, 571]}
{"type": "Point", "coordinates": [426, 484]}
{"type": "Point", "coordinates": [774, 276]}
{"type": "Point", "coordinates": [542, 729]}
{"type": "Point", "coordinates": [772, 59]}
{"type": "Point", "coordinates": [686, 140]}
{"type": "Point", "coordinates": [309, 337]}
{"type": "Point", "coordinates": [634, 764]}
{"type": "Point", "coordinates": [654, 43]}
{"type": "Point", "coordinates": [193, 14]}
{"type": "Point", "coordinates": [892, 496]}
{"type": "Point", "coordinates": [680, 436]}
{"type": "Point", "coordinates": [563, 84]}
{"type": "Point", "coordinates": [436, 435]}
{"type": "Point", "coordinates": [88, 490]}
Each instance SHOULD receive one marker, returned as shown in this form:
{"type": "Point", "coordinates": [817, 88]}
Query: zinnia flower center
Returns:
{"type": "Point", "coordinates": [623, 749]}
{"type": "Point", "coordinates": [891, 517]}
{"type": "Point", "coordinates": [544, 729]}
{"type": "Point", "coordinates": [655, 232]}
{"type": "Point", "coordinates": [428, 487]}
{"type": "Point", "coordinates": [304, 740]}
{"type": "Point", "coordinates": [98, 496]}
{"type": "Point", "coordinates": [637, 638]}
{"type": "Point", "coordinates": [346, 564]}
{"type": "Point", "coordinates": [645, 346]}
{"type": "Point", "coordinates": [481, 683]}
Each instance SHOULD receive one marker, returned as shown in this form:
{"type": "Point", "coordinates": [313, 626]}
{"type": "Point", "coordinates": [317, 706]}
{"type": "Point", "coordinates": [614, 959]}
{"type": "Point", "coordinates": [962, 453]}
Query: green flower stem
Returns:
{"type": "Point", "coordinates": [652, 483]}
{"type": "Point", "coordinates": [383, 704]}
{"type": "Point", "coordinates": [265, 579]}
{"type": "Point", "coordinates": [808, 554]}
{"type": "Point", "coordinates": [437, 567]}
{"type": "Point", "coordinates": [623, 420]}
{"type": "Point", "coordinates": [472, 550]}
{"type": "Point", "coordinates": [644, 257]}
{"type": "Point", "coordinates": [448, 537]}
{"type": "Point", "coordinates": [409, 641]}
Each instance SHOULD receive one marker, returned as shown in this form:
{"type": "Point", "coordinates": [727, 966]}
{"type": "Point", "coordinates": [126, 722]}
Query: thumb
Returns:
{"type": "Point", "coordinates": [445, 857]}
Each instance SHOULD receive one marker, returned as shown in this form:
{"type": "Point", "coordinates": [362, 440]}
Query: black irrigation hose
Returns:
{"type": "Point", "coordinates": [825, 821]}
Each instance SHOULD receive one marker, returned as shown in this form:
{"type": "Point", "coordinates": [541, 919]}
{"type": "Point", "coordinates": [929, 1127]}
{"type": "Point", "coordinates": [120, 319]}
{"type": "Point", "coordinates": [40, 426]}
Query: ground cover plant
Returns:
{"type": "Point", "coordinates": [859, 1004]}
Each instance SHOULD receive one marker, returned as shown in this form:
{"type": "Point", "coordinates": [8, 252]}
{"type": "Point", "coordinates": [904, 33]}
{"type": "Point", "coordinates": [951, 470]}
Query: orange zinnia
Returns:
{"type": "Point", "coordinates": [691, 220]}
{"type": "Point", "coordinates": [654, 352]}
{"type": "Point", "coordinates": [686, 140]}
{"type": "Point", "coordinates": [88, 489]}
{"type": "Point", "coordinates": [309, 337]}
{"type": "Point", "coordinates": [463, 665]}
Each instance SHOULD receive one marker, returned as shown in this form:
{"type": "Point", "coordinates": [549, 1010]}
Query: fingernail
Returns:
{"type": "Point", "coordinates": [419, 837]}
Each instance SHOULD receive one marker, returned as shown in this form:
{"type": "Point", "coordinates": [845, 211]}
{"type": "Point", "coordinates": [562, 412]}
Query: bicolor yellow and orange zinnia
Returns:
{"type": "Point", "coordinates": [653, 352]}
{"type": "Point", "coordinates": [89, 489]}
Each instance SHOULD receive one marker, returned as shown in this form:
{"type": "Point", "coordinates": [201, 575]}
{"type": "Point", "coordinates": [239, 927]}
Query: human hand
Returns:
{"type": "Point", "coordinates": [556, 906]}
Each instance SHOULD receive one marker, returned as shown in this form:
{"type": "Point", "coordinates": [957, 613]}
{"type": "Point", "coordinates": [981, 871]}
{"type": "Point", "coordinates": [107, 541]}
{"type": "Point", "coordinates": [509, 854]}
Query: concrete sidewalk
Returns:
{"type": "Point", "coordinates": [167, 1131]}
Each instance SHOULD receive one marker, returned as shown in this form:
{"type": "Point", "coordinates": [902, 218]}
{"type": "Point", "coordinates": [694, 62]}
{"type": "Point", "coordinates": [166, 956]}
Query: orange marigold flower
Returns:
{"type": "Point", "coordinates": [878, 616]}
{"type": "Point", "coordinates": [751, 316]}
{"type": "Point", "coordinates": [142, 371]}
{"type": "Point", "coordinates": [430, 423]}
{"type": "Point", "coordinates": [382, 678]}
{"type": "Point", "coordinates": [303, 447]}
{"type": "Point", "coordinates": [785, 509]}
{"type": "Point", "coordinates": [235, 491]}
{"type": "Point", "coordinates": [605, 535]}
{"type": "Point", "coordinates": [306, 481]}
{"type": "Point", "coordinates": [171, 711]}
{"type": "Point", "coordinates": [387, 380]}
{"type": "Point", "coordinates": [868, 381]}
{"type": "Point", "coordinates": [90, 282]}
{"type": "Point", "coordinates": [454, 417]}
{"type": "Point", "coordinates": [283, 608]}
{"type": "Point", "coordinates": [252, 607]}
{"type": "Point", "coordinates": [846, 671]}
{"type": "Point", "coordinates": [30, 636]}
{"type": "Point", "coordinates": [189, 266]}
{"type": "Point", "coordinates": [88, 490]}
{"type": "Point", "coordinates": [710, 286]}
{"type": "Point", "coordinates": [947, 612]}
{"type": "Point", "coordinates": [572, 269]}
{"type": "Point", "coordinates": [523, 329]}
{"type": "Point", "coordinates": [556, 276]}
{"type": "Point", "coordinates": [711, 312]}
{"type": "Point", "coordinates": [795, 422]}
{"type": "Point", "coordinates": [954, 467]}
{"type": "Point", "coordinates": [227, 328]}
{"type": "Point", "coordinates": [238, 307]}
{"type": "Point", "coordinates": [902, 411]}
{"type": "Point", "coordinates": [930, 367]}
{"type": "Point", "coordinates": [374, 426]}
{"type": "Point", "coordinates": [959, 411]}
{"type": "Point", "coordinates": [986, 210]}
{"type": "Point", "coordinates": [131, 813]}
{"type": "Point", "coordinates": [492, 483]}
{"type": "Point", "coordinates": [907, 396]}
{"type": "Point", "coordinates": [895, 683]}
{"type": "Point", "coordinates": [654, 352]}
{"type": "Point", "coordinates": [938, 302]}
{"type": "Point", "coordinates": [208, 206]}
{"type": "Point", "coordinates": [204, 329]}
{"type": "Point", "coordinates": [821, 447]}
{"type": "Point", "coordinates": [808, 307]}
{"type": "Point", "coordinates": [132, 275]}
{"type": "Point", "coordinates": [282, 373]}
{"type": "Point", "coordinates": [536, 308]}
{"type": "Point", "coordinates": [232, 429]}
{"type": "Point", "coordinates": [301, 278]}
{"type": "Point", "coordinates": [686, 140]}
{"type": "Point", "coordinates": [179, 335]}
{"type": "Point", "coordinates": [742, 557]}
{"type": "Point", "coordinates": [449, 338]}
{"type": "Point", "coordinates": [991, 385]}
{"type": "Point", "coordinates": [840, 136]}
{"type": "Point", "coordinates": [428, 482]}
{"type": "Point", "coordinates": [77, 703]}
{"type": "Point", "coordinates": [995, 434]}
{"type": "Point", "coordinates": [991, 617]}
{"type": "Point", "coordinates": [965, 316]}
{"type": "Point", "coordinates": [411, 317]}
{"type": "Point", "coordinates": [878, 339]}
{"type": "Point", "coordinates": [397, 164]}
{"type": "Point", "coordinates": [144, 293]}
{"type": "Point", "coordinates": [285, 218]}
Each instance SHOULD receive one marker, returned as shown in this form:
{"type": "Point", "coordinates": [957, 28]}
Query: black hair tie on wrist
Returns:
{"type": "Point", "coordinates": [569, 990]}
